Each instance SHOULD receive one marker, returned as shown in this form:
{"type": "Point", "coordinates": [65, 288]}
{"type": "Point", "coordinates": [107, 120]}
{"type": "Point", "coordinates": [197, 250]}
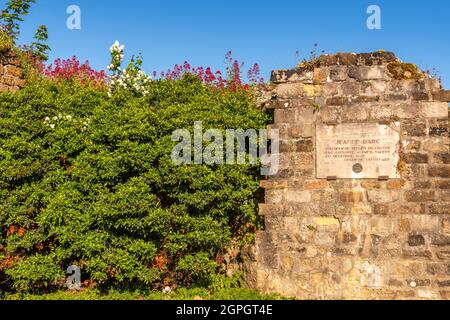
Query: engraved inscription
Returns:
{"type": "Point", "coordinates": [357, 150]}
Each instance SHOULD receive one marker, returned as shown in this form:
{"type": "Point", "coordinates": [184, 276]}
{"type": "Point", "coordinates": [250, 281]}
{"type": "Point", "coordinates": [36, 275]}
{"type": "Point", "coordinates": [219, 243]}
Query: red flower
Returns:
{"type": "Point", "coordinates": [71, 69]}
{"type": "Point", "coordinates": [215, 79]}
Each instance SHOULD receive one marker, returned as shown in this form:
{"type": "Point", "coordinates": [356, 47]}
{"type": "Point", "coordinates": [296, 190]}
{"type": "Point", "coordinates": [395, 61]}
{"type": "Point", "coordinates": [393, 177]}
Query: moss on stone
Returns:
{"type": "Point", "coordinates": [308, 65]}
{"type": "Point", "coordinates": [404, 71]}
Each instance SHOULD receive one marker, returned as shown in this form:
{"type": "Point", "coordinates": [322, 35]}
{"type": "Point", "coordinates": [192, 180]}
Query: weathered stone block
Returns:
{"type": "Point", "coordinates": [424, 223]}
{"type": "Point", "coordinates": [442, 96]}
{"type": "Point", "coordinates": [316, 185]}
{"type": "Point", "coordinates": [430, 84]}
{"type": "Point", "coordinates": [326, 239]}
{"type": "Point", "coordinates": [287, 146]}
{"type": "Point", "coordinates": [444, 255]}
{"type": "Point", "coordinates": [323, 195]}
{"type": "Point", "coordinates": [395, 97]}
{"type": "Point", "coordinates": [288, 90]}
{"type": "Point", "coordinates": [436, 144]}
{"type": "Point", "coordinates": [434, 109]}
{"type": "Point", "coordinates": [406, 111]}
{"type": "Point", "coordinates": [308, 130]}
{"type": "Point", "coordinates": [354, 114]}
{"type": "Point", "coordinates": [420, 195]}
{"type": "Point", "coordinates": [382, 196]}
{"type": "Point", "coordinates": [320, 75]}
{"type": "Point", "coordinates": [414, 128]}
{"type": "Point", "coordinates": [292, 75]}
{"type": "Point", "coordinates": [439, 208]}
{"type": "Point", "coordinates": [296, 131]}
{"type": "Point", "coordinates": [367, 72]}
{"type": "Point", "coordinates": [304, 145]}
{"type": "Point", "coordinates": [352, 196]}
{"type": "Point", "coordinates": [381, 225]}
{"type": "Point", "coordinates": [445, 184]}
{"type": "Point", "coordinates": [296, 196]}
{"type": "Point", "coordinates": [360, 208]}
{"type": "Point", "coordinates": [329, 89]}
{"type": "Point", "coordinates": [274, 196]}
{"type": "Point", "coordinates": [444, 283]}
{"type": "Point", "coordinates": [337, 101]}
{"type": "Point", "coordinates": [446, 225]}
{"type": "Point", "coordinates": [442, 158]}
{"type": "Point", "coordinates": [346, 59]}
{"type": "Point", "coordinates": [415, 240]}
{"type": "Point", "coordinates": [415, 171]}
{"type": "Point", "coordinates": [8, 80]}
{"type": "Point", "coordinates": [273, 184]}
{"type": "Point", "coordinates": [338, 73]}
{"type": "Point", "coordinates": [329, 224]}
{"type": "Point", "coordinates": [351, 88]}
{"type": "Point", "coordinates": [396, 184]}
{"type": "Point", "coordinates": [285, 115]}
{"type": "Point", "coordinates": [438, 127]}
{"type": "Point", "coordinates": [422, 184]}
{"type": "Point", "coordinates": [12, 71]}
{"type": "Point", "coordinates": [440, 240]}
{"type": "Point", "coordinates": [265, 209]}
{"type": "Point", "coordinates": [381, 209]}
{"type": "Point", "coordinates": [416, 157]}
{"type": "Point", "coordinates": [371, 184]}
{"type": "Point", "coordinates": [364, 99]}
{"type": "Point", "coordinates": [411, 253]}
{"type": "Point", "coordinates": [421, 96]}
{"type": "Point", "coordinates": [441, 171]}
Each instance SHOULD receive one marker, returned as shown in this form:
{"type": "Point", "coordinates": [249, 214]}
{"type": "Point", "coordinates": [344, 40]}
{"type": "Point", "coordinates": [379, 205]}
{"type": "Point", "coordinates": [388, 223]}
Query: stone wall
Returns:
{"type": "Point", "coordinates": [11, 75]}
{"type": "Point", "coordinates": [337, 238]}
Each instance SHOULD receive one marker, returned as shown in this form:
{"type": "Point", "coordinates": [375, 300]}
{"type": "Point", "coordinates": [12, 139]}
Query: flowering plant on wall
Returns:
{"type": "Point", "coordinates": [232, 80]}
{"type": "Point", "coordinates": [71, 69]}
{"type": "Point", "coordinates": [132, 77]}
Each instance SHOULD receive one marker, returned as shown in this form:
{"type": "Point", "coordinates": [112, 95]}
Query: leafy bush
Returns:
{"type": "Point", "coordinates": [87, 179]}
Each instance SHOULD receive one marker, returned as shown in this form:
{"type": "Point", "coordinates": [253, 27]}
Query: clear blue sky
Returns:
{"type": "Point", "coordinates": [263, 31]}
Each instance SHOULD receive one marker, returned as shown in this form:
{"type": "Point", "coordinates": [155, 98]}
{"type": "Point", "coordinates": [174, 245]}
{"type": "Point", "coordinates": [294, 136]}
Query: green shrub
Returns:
{"type": "Point", "coordinates": [87, 180]}
{"type": "Point", "coordinates": [6, 42]}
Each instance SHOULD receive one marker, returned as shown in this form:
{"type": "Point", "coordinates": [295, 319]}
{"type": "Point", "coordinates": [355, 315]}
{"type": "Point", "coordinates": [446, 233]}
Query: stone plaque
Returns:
{"type": "Point", "coordinates": [357, 150]}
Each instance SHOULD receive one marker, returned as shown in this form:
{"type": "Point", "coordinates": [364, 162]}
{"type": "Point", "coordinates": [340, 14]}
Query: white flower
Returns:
{"type": "Point", "coordinates": [52, 126]}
